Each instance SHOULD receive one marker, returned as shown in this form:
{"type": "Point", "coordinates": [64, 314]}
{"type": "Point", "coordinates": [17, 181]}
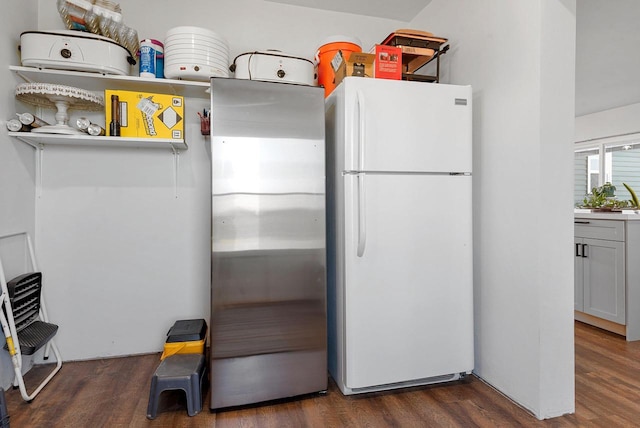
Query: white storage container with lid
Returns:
{"type": "Point", "coordinates": [275, 66]}
{"type": "Point", "coordinates": [74, 50]}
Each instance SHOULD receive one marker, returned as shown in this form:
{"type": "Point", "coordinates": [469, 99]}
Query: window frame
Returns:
{"type": "Point", "coordinates": [601, 145]}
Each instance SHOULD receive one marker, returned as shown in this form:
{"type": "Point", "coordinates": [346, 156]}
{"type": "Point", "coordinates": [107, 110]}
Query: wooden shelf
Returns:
{"type": "Point", "coordinates": [100, 82]}
{"type": "Point", "coordinates": [40, 140]}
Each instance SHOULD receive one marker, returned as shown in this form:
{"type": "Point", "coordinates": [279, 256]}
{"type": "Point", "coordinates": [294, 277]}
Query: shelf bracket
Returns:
{"type": "Point", "coordinates": [29, 143]}
{"type": "Point", "coordinates": [25, 78]}
{"type": "Point", "coordinates": [40, 161]}
{"type": "Point", "coordinates": [176, 167]}
{"type": "Point", "coordinates": [39, 153]}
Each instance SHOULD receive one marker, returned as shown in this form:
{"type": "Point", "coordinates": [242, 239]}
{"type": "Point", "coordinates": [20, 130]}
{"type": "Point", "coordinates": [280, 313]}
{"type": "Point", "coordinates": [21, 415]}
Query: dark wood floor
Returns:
{"type": "Point", "coordinates": [115, 393]}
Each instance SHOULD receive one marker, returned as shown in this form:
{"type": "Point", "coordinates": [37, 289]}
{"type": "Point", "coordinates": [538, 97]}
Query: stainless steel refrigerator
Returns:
{"type": "Point", "coordinates": [268, 271]}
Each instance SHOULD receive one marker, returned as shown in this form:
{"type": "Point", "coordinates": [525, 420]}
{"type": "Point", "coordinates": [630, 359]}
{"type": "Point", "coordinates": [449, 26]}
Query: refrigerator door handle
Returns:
{"type": "Point", "coordinates": [361, 129]}
{"type": "Point", "coordinates": [362, 224]}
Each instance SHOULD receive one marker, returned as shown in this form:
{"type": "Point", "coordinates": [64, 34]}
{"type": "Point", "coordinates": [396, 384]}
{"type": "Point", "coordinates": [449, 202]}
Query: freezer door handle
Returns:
{"type": "Point", "coordinates": [361, 130]}
{"type": "Point", "coordinates": [362, 223]}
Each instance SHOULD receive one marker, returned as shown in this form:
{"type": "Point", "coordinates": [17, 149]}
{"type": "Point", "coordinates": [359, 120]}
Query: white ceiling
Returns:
{"type": "Point", "coordinates": [607, 55]}
{"type": "Point", "coordinates": [401, 10]}
{"type": "Point", "coordinates": [607, 44]}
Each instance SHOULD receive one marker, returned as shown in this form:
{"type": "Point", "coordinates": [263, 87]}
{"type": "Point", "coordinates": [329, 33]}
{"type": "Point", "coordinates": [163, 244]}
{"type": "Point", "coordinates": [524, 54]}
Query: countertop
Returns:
{"type": "Point", "coordinates": [624, 215]}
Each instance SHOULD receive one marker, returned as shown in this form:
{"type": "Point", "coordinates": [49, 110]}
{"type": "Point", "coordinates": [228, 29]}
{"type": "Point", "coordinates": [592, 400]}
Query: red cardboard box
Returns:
{"type": "Point", "coordinates": [388, 62]}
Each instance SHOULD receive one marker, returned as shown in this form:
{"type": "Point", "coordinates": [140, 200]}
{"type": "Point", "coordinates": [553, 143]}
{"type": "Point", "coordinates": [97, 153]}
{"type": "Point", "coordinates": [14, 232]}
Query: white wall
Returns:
{"type": "Point", "coordinates": [17, 173]}
{"type": "Point", "coordinates": [124, 258]}
{"type": "Point", "coordinates": [615, 122]}
{"type": "Point", "coordinates": [606, 72]}
{"type": "Point", "coordinates": [248, 25]}
{"type": "Point", "coordinates": [523, 125]}
{"type": "Point", "coordinates": [555, 273]}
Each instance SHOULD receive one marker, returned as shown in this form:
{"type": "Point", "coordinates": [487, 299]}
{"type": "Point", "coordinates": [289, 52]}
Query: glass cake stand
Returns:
{"type": "Point", "coordinates": [62, 98]}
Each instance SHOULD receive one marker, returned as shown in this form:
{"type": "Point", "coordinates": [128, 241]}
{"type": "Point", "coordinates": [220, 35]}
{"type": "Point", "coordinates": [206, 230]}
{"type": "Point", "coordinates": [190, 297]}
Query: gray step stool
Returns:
{"type": "Point", "coordinates": [180, 371]}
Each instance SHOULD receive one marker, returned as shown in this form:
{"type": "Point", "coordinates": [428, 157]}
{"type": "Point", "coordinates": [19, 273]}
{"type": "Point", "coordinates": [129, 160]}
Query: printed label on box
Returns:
{"type": "Point", "coordinates": [388, 64]}
{"type": "Point", "coordinates": [359, 64]}
{"type": "Point", "coordinates": [337, 61]}
{"type": "Point", "coordinates": [148, 115]}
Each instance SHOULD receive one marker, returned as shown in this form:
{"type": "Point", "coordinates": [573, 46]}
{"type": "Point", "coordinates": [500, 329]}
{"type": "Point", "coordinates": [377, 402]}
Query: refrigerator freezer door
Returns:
{"type": "Point", "coordinates": [408, 278]}
{"type": "Point", "coordinates": [394, 125]}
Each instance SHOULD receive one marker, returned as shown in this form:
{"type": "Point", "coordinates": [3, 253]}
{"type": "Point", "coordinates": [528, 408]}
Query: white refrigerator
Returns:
{"type": "Point", "coordinates": [399, 234]}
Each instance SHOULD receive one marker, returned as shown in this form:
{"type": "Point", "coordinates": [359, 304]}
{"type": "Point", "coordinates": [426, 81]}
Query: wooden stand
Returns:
{"type": "Point", "coordinates": [419, 48]}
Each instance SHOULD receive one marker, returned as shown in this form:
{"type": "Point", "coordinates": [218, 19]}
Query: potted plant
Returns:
{"type": "Point", "coordinates": [602, 199]}
{"type": "Point", "coordinates": [608, 189]}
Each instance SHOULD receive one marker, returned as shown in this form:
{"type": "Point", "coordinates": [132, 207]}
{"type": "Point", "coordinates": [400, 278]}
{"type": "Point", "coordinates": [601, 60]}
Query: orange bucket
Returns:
{"type": "Point", "coordinates": [325, 54]}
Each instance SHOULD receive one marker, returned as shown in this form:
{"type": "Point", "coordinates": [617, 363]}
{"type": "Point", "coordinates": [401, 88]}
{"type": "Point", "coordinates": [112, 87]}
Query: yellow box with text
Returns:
{"type": "Point", "coordinates": [146, 115]}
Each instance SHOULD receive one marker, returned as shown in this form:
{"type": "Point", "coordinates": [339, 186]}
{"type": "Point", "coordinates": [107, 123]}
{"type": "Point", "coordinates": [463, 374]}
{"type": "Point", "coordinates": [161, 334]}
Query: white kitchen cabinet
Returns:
{"type": "Point", "coordinates": [607, 288]}
{"type": "Point", "coordinates": [600, 279]}
{"type": "Point", "coordinates": [578, 292]}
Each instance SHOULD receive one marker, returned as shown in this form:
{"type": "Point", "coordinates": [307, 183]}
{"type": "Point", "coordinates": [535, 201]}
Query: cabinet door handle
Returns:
{"type": "Point", "coordinates": [584, 250]}
{"type": "Point", "coordinates": [581, 222]}
{"type": "Point", "coordinates": [578, 247]}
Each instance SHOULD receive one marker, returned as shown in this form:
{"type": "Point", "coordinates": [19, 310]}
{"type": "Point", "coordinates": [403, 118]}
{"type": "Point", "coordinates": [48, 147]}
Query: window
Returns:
{"type": "Point", "coordinates": [613, 161]}
{"type": "Point", "coordinates": [586, 167]}
{"type": "Point", "coordinates": [625, 167]}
